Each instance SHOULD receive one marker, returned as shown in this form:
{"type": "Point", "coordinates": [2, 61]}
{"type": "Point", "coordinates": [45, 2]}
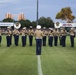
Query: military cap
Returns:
{"type": "Point", "coordinates": [72, 28]}
{"type": "Point", "coordinates": [51, 28]}
{"type": "Point", "coordinates": [44, 27]}
{"type": "Point", "coordinates": [8, 27]}
{"type": "Point", "coordinates": [24, 28]}
{"type": "Point", "coordinates": [38, 27]}
{"type": "Point", "coordinates": [30, 26]}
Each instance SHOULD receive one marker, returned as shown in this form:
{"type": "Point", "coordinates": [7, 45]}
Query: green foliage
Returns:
{"type": "Point", "coordinates": [65, 14]}
{"type": "Point", "coordinates": [46, 22]}
{"type": "Point", "coordinates": [25, 23]}
{"type": "Point", "coordinates": [34, 24]}
{"type": "Point", "coordinates": [8, 20]}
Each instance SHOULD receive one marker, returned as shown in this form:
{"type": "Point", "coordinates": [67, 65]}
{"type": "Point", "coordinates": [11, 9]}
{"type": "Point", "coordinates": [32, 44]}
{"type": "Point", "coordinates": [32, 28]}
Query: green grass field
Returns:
{"type": "Point", "coordinates": [23, 60]}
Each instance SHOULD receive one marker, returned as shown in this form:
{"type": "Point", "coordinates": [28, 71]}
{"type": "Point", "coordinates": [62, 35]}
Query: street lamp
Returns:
{"type": "Point", "coordinates": [37, 11]}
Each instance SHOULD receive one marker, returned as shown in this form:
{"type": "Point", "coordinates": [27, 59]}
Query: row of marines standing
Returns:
{"type": "Point", "coordinates": [52, 34]}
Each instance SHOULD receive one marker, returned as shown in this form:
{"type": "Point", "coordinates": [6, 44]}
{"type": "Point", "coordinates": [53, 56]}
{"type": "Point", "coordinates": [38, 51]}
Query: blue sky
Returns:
{"type": "Point", "coordinates": [47, 8]}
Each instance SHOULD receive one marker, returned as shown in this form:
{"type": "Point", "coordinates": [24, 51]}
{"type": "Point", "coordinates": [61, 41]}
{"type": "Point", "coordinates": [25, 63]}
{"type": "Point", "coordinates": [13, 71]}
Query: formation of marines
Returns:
{"type": "Point", "coordinates": [53, 35]}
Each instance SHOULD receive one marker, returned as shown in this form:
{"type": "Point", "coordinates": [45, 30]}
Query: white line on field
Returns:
{"type": "Point", "coordinates": [39, 66]}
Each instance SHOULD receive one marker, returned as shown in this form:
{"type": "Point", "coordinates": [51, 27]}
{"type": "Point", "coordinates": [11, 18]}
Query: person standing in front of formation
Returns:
{"type": "Point", "coordinates": [23, 32]}
{"type": "Point", "coordinates": [72, 35]}
{"type": "Point", "coordinates": [0, 36]}
{"type": "Point", "coordinates": [38, 35]}
{"type": "Point", "coordinates": [63, 33]}
{"type": "Point", "coordinates": [8, 36]}
{"type": "Point", "coordinates": [44, 36]}
{"type": "Point", "coordinates": [50, 34]}
{"type": "Point", "coordinates": [31, 33]}
{"type": "Point", "coordinates": [56, 34]}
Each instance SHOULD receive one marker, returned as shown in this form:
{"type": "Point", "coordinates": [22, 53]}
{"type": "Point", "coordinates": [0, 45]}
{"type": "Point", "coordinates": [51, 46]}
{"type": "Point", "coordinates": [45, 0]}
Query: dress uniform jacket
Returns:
{"type": "Point", "coordinates": [38, 36]}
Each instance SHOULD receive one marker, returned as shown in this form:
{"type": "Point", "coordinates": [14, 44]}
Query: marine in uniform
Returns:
{"type": "Point", "coordinates": [24, 33]}
{"type": "Point", "coordinates": [0, 36]}
{"type": "Point", "coordinates": [17, 37]}
{"type": "Point", "coordinates": [63, 33]}
{"type": "Point", "coordinates": [8, 36]}
{"type": "Point", "coordinates": [60, 36]}
{"type": "Point", "coordinates": [16, 32]}
{"type": "Point", "coordinates": [44, 36]}
{"type": "Point", "coordinates": [51, 37]}
{"type": "Point", "coordinates": [38, 36]}
{"type": "Point", "coordinates": [13, 32]}
{"type": "Point", "coordinates": [56, 34]}
{"type": "Point", "coordinates": [11, 37]}
{"type": "Point", "coordinates": [31, 33]}
{"type": "Point", "coordinates": [72, 35]}
{"type": "Point", "coordinates": [48, 36]}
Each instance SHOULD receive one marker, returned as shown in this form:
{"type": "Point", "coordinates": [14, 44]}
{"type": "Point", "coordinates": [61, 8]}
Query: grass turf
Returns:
{"type": "Point", "coordinates": [23, 61]}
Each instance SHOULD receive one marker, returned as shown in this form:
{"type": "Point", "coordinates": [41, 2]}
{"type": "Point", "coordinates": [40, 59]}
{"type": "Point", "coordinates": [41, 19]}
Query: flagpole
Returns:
{"type": "Point", "coordinates": [37, 11]}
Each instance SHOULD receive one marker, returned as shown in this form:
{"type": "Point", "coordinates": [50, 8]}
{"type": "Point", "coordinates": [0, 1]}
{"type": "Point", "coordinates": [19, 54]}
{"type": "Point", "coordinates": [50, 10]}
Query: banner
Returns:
{"type": "Point", "coordinates": [58, 25]}
{"type": "Point", "coordinates": [6, 24]}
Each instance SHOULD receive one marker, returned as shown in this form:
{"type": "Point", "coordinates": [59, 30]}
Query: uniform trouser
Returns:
{"type": "Point", "coordinates": [72, 40]}
{"type": "Point", "coordinates": [16, 39]}
{"type": "Point", "coordinates": [23, 41]}
{"type": "Point", "coordinates": [11, 40]}
{"type": "Point", "coordinates": [51, 40]}
{"type": "Point", "coordinates": [55, 40]}
{"type": "Point", "coordinates": [30, 40]}
{"type": "Point", "coordinates": [8, 41]}
{"type": "Point", "coordinates": [0, 39]}
{"type": "Point", "coordinates": [44, 41]}
{"type": "Point", "coordinates": [63, 41]}
{"type": "Point", "coordinates": [38, 46]}
{"type": "Point", "coordinates": [60, 38]}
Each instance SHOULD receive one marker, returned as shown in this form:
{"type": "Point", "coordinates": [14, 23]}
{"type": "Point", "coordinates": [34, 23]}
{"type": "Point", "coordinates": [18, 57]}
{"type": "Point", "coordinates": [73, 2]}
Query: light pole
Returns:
{"type": "Point", "coordinates": [37, 12]}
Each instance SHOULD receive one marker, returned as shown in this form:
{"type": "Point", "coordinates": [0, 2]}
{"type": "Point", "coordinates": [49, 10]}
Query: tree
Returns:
{"type": "Point", "coordinates": [65, 14]}
{"type": "Point", "coordinates": [46, 22]}
{"type": "Point", "coordinates": [34, 24]}
{"type": "Point", "coordinates": [25, 23]}
{"type": "Point", "coordinates": [8, 20]}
